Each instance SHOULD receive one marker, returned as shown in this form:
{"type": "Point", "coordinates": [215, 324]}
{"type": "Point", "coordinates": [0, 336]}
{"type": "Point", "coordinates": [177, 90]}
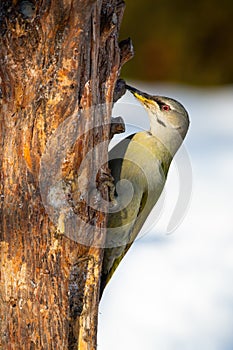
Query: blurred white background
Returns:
{"type": "Point", "coordinates": [175, 291]}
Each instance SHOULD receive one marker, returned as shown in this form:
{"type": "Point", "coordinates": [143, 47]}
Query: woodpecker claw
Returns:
{"type": "Point", "coordinates": [106, 179]}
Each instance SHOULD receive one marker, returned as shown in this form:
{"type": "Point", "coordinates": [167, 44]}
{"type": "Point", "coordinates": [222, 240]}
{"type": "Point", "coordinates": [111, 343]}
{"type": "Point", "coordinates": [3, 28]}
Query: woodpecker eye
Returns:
{"type": "Point", "coordinates": [165, 108]}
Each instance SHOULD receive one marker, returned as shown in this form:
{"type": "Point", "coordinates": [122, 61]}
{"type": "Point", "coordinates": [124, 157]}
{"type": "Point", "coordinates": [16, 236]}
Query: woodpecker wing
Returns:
{"type": "Point", "coordinates": [139, 179]}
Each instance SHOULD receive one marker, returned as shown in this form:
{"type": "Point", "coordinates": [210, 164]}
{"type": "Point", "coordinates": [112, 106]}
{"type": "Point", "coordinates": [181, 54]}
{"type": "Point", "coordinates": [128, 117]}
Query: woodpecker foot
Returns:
{"type": "Point", "coordinates": [105, 179]}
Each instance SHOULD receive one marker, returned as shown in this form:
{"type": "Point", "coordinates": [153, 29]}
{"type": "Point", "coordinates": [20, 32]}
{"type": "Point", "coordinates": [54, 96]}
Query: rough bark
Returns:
{"type": "Point", "coordinates": [59, 62]}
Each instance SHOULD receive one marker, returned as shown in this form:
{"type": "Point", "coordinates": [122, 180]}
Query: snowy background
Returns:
{"type": "Point", "coordinates": [175, 291]}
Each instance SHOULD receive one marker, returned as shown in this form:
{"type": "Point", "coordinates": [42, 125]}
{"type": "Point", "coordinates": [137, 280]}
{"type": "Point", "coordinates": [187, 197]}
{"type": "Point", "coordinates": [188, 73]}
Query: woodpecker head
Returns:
{"type": "Point", "coordinates": [169, 120]}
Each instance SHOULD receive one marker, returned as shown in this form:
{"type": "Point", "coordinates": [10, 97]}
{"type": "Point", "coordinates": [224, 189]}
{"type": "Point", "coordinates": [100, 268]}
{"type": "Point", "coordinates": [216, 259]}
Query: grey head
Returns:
{"type": "Point", "coordinates": [169, 120]}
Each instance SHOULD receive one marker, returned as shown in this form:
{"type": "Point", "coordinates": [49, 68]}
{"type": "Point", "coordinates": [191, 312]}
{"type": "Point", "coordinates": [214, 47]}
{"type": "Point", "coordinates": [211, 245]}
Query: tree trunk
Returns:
{"type": "Point", "coordinates": [59, 62]}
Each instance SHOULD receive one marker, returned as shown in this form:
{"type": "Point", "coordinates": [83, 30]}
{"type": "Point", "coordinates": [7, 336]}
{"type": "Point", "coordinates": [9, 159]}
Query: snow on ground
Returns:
{"type": "Point", "coordinates": [175, 291]}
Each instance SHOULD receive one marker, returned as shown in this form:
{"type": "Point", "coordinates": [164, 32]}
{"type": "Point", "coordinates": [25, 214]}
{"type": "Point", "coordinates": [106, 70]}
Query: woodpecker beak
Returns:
{"type": "Point", "coordinates": [141, 96]}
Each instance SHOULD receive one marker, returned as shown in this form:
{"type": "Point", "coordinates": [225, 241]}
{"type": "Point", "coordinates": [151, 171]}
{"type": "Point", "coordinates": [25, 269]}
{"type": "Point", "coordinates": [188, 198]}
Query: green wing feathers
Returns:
{"type": "Point", "coordinates": [139, 177]}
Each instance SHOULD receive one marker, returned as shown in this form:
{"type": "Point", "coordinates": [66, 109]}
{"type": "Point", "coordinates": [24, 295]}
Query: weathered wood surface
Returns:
{"type": "Point", "coordinates": [58, 59]}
